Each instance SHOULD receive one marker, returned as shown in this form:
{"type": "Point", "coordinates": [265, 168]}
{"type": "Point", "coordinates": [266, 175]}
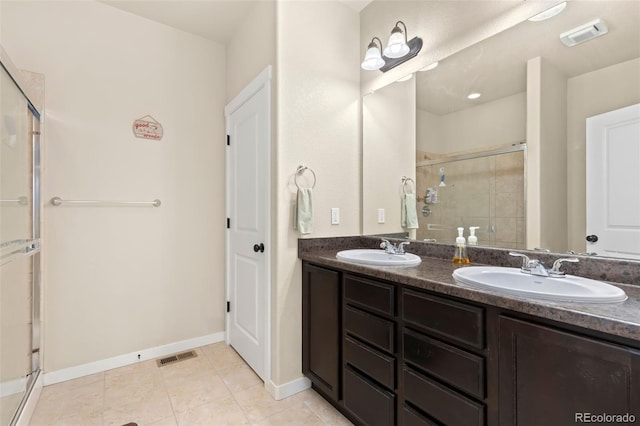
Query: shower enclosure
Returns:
{"type": "Point", "coordinates": [484, 189]}
{"type": "Point", "coordinates": [19, 246]}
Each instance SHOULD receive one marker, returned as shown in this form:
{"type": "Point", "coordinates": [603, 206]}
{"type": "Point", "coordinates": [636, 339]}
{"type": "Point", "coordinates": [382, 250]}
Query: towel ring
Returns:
{"type": "Point", "coordinates": [406, 180]}
{"type": "Point", "coordinates": [299, 171]}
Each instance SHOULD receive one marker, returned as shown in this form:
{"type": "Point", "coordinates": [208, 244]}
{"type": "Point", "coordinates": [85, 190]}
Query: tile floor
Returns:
{"type": "Point", "coordinates": [216, 388]}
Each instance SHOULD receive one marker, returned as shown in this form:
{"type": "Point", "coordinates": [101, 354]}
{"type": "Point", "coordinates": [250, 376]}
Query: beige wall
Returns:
{"type": "Point", "coordinates": [428, 131]}
{"type": "Point", "coordinates": [498, 122]}
{"type": "Point", "coordinates": [252, 47]}
{"type": "Point", "coordinates": [117, 279]}
{"type": "Point", "coordinates": [546, 156]}
{"type": "Point", "coordinates": [319, 127]}
{"type": "Point", "coordinates": [591, 94]}
{"type": "Point", "coordinates": [388, 153]}
{"type": "Point", "coordinates": [553, 155]}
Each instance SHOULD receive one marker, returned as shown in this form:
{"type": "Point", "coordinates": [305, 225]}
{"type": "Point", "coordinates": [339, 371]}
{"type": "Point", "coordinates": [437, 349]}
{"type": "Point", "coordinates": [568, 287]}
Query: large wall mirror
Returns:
{"type": "Point", "coordinates": [512, 162]}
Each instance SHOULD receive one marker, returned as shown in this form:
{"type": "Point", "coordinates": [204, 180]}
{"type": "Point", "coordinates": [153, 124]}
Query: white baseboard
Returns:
{"type": "Point", "coordinates": [13, 387]}
{"type": "Point", "coordinates": [130, 358]}
{"type": "Point", "coordinates": [32, 401]}
{"type": "Point", "coordinates": [286, 390]}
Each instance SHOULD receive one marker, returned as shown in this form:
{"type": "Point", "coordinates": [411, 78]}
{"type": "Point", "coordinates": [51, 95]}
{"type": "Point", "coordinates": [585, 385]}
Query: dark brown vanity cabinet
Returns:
{"type": "Point", "coordinates": [387, 354]}
{"type": "Point", "coordinates": [369, 350]}
{"type": "Point", "coordinates": [443, 372]}
{"type": "Point", "coordinates": [321, 325]}
{"type": "Point", "coordinates": [552, 377]}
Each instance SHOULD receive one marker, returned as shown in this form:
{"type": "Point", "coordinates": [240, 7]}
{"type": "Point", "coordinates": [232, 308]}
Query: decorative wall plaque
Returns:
{"type": "Point", "coordinates": [147, 127]}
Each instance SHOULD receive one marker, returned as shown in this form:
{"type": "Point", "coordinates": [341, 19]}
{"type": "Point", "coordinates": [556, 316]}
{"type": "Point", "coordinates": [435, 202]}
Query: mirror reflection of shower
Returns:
{"type": "Point", "coordinates": [483, 189]}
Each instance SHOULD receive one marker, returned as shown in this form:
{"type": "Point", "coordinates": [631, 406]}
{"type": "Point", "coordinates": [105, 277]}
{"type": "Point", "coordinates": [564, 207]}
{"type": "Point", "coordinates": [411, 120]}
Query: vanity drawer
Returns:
{"type": "Point", "coordinates": [449, 319]}
{"type": "Point", "coordinates": [454, 366]}
{"type": "Point", "coordinates": [411, 417]}
{"type": "Point", "coordinates": [377, 331]}
{"type": "Point", "coordinates": [374, 295]}
{"type": "Point", "coordinates": [375, 364]}
{"type": "Point", "coordinates": [372, 404]}
{"type": "Point", "coordinates": [440, 402]}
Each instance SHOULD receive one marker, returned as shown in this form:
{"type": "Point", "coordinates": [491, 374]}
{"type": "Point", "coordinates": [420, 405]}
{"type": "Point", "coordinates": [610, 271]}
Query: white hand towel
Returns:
{"type": "Point", "coordinates": [304, 211]}
{"type": "Point", "coordinates": [408, 214]}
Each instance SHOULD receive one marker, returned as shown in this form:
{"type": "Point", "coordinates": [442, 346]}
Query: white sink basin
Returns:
{"type": "Point", "coordinates": [378, 258]}
{"type": "Point", "coordinates": [512, 281]}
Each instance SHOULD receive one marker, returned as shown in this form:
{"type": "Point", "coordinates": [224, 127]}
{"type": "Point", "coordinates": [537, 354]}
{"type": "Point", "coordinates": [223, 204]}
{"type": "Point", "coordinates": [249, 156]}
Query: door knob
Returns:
{"type": "Point", "coordinates": [592, 238]}
{"type": "Point", "coordinates": [258, 248]}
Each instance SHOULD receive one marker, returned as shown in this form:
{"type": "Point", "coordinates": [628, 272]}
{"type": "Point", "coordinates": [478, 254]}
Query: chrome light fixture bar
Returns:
{"type": "Point", "coordinates": [398, 50]}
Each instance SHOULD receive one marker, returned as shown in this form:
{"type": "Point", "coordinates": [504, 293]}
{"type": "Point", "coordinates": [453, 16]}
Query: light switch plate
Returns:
{"type": "Point", "coordinates": [380, 215]}
{"type": "Point", "coordinates": [335, 215]}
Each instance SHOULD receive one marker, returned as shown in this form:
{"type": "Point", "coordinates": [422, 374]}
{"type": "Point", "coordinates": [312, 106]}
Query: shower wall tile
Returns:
{"type": "Point", "coordinates": [506, 231]}
{"type": "Point", "coordinates": [506, 204]}
{"type": "Point", "coordinates": [477, 192]}
{"type": "Point", "coordinates": [521, 234]}
{"type": "Point", "coordinates": [520, 204]}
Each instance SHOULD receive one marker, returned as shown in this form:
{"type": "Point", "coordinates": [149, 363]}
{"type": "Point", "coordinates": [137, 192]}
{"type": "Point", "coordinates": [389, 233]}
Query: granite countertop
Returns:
{"type": "Point", "coordinates": [434, 274]}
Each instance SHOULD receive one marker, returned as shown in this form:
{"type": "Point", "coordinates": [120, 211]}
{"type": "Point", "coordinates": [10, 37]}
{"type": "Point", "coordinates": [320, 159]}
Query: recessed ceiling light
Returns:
{"type": "Point", "coordinates": [549, 13]}
{"type": "Point", "coordinates": [474, 95]}
{"type": "Point", "coordinates": [405, 78]}
{"type": "Point", "coordinates": [429, 67]}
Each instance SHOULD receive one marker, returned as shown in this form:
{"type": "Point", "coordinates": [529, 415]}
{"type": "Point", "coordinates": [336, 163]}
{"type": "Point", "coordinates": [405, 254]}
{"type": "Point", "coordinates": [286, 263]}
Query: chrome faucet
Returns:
{"type": "Point", "coordinates": [391, 248]}
{"type": "Point", "coordinates": [535, 267]}
{"type": "Point", "coordinates": [388, 246]}
{"type": "Point", "coordinates": [400, 249]}
{"type": "Point", "coordinates": [555, 269]}
{"type": "Point", "coordinates": [531, 266]}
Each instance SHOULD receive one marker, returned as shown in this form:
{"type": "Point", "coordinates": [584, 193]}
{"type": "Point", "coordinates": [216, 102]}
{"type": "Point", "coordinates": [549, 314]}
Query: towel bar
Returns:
{"type": "Point", "coordinates": [406, 180]}
{"type": "Point", "coordinates": [57, 201]}
{"type": "Point", "coordinates": [299, 171]}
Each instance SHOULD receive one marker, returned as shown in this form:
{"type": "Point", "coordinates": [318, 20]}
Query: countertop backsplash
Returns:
{"type": "Point", "coordinates": [622, 271]}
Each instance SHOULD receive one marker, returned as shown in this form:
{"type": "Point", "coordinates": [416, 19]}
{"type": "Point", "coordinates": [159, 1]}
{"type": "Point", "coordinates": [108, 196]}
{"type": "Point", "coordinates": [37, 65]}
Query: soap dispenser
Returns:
{"type": "Point", "coordinates": [473, 240]}
{"type": "Point", "coordinates": [460, 255]}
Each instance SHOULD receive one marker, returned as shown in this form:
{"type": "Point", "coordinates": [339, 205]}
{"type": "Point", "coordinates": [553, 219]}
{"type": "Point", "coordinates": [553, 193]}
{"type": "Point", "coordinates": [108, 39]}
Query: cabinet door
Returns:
{"type": "Point", "coordinates": [321, 328]}
{"type": "Point", "coordinates": [551, 377]}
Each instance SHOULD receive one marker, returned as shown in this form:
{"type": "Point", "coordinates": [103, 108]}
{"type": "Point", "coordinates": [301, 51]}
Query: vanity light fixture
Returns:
{"type": "Point", "coordinates": [397, 46]}
{"type": "Point", "coordinates": [373, 58]}
{"type": "Point", "coordinates": [398, 50]}
{"type": "Point", "coordinates": [474, 95]}
{"type": "Point", "coordinates": [549, 13]}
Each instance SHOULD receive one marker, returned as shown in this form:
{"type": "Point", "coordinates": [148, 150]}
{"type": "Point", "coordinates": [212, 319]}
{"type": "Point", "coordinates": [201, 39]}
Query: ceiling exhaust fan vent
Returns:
{"type": "Point", "coordinates": [588, 31]}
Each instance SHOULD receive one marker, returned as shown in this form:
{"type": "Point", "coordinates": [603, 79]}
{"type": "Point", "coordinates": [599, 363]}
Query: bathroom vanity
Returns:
{"type": "Point", "coordinates": [409, 346]}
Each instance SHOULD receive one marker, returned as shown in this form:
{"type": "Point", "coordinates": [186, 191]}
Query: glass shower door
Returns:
{"type": "Point", "coordinates": [19, 248]}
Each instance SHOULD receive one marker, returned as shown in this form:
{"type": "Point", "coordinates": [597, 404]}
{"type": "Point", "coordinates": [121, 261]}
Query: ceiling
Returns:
{"type": "Point", "coordinates": [496, 67]}
{"type": "Point", "coordinates": [214, 20]}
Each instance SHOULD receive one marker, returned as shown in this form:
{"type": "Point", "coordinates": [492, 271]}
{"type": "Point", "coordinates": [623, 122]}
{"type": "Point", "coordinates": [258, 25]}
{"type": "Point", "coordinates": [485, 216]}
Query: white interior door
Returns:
{"type": "Point", "coordinates": [248, 210]}
{"type": "Point", "coordinates": [613, 183]}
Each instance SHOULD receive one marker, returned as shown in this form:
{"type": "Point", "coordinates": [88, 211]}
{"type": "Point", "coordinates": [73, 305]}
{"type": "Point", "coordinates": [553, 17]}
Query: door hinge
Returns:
{"type": "Point", "coordinates": [228, 223]}
{"type": "Point", "coordinates": [228, 140]}
{"type": "Point", "coordinates": [228, 306]}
